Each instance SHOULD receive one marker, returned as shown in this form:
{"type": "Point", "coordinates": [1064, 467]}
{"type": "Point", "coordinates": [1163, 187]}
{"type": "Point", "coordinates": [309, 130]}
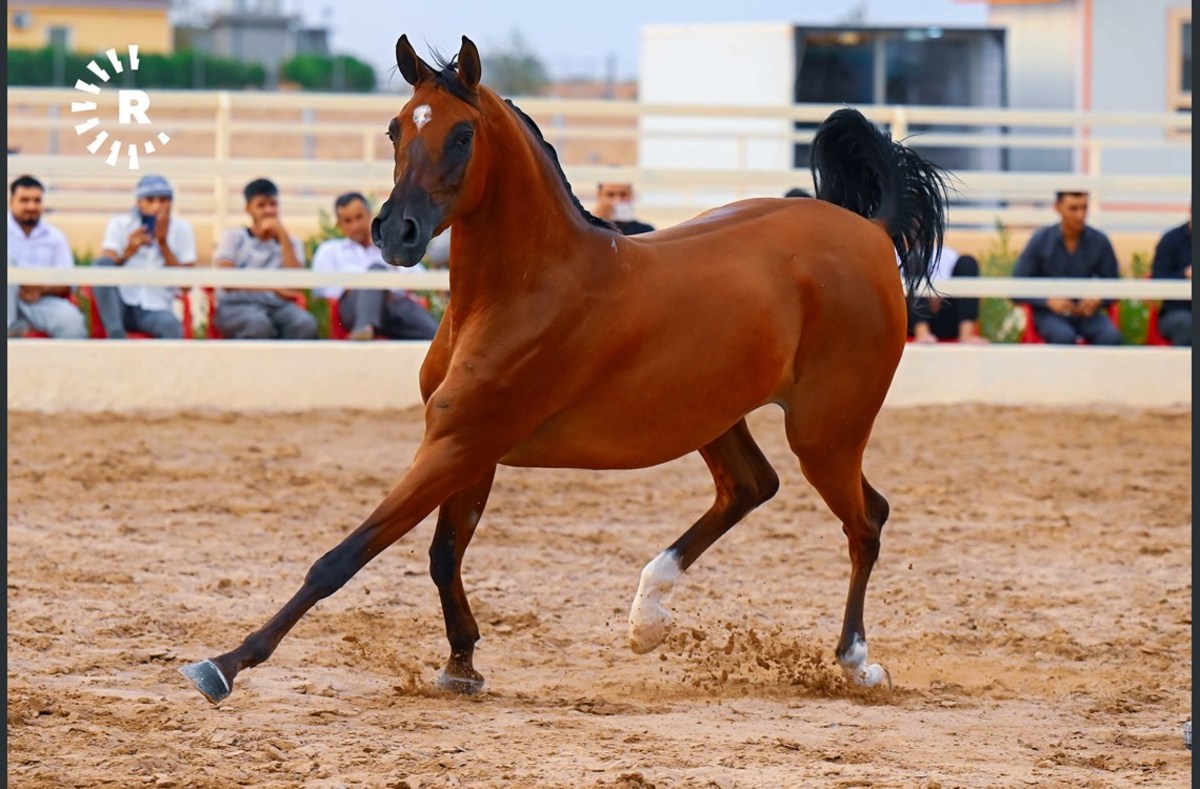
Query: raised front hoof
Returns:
{"type": "Point", "coordinates": [462, 685]}
{"type": "Point", "coordinates": [871, 676]}
{"type": "Point", "coordinates": [208, 679]}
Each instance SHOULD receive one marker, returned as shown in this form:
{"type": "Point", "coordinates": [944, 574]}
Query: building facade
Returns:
{"type": "Point", "coordinates": [90, 26]}
{"type": "Point", "coordinates": [1108, 56]}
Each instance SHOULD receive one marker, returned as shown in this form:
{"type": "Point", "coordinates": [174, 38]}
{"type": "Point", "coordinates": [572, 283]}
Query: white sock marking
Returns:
{"type": "Point", "coordinates": [649, 620]}
{"type": "Point", "coordinates": [854, 666]}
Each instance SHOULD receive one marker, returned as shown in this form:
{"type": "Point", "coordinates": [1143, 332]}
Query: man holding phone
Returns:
{"type": "Point", "coordinates": [147, 237]}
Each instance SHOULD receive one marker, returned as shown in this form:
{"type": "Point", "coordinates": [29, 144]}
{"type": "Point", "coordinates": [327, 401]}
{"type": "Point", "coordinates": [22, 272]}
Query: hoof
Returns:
{"type": "Point", "coordinates": [208, 679]}
{"type": "Point", "coordinates": [870, 676]}
{"type": "Point", "coordinates": [464, 686]}
{"type": "Point", "coordinates": [653, 623]}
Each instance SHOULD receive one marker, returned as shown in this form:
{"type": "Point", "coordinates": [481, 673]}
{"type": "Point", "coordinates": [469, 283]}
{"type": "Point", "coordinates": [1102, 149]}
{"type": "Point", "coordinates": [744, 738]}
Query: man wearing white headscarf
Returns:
{"type": "Point", "coordinates": [146, 237]}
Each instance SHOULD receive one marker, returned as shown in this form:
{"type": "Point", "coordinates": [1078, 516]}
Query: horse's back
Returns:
{"type": "Point", "coordinates": [825, 264]}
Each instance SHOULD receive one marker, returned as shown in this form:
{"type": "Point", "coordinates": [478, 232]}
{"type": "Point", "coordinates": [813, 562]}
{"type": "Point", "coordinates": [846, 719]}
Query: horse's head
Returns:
{"type": "Point", "coordinates": [436, 153]}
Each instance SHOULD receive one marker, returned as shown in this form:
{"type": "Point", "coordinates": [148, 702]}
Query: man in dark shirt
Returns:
{"type": "Point", "coordinates": [614, 202]}
{"type": "Point", "coordinates": [1173, 260]}
{"type": "Point", "coordinates": [1070, 249]}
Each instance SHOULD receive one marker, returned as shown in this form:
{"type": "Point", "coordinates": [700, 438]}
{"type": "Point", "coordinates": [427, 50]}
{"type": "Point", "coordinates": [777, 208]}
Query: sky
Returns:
{"type": "Point", "coordinates": [574, 37]}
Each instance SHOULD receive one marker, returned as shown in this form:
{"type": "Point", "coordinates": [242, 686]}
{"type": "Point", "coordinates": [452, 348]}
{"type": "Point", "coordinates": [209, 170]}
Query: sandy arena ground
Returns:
{"type": "Point", "coordinates": [1032, 602]}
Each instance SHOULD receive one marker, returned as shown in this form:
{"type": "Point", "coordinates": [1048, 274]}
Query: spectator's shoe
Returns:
{"type": "Point", "coordinates": [365, 333]}
{"type": "Point", "coordinates": [20, 328]}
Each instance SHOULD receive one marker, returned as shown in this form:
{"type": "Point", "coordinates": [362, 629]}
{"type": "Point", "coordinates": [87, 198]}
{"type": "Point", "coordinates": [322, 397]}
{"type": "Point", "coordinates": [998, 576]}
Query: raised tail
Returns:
{"type": "Point", "coordinates": [859, 167]}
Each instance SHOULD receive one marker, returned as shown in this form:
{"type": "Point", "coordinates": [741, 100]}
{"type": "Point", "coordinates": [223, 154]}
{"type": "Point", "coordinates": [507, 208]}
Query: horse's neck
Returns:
{"type": "Point", "coordinates": [524, 223]}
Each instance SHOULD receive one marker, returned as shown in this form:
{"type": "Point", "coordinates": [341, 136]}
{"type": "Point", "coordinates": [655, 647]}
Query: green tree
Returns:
{"type": "Point", "coordinates": [515, 70]}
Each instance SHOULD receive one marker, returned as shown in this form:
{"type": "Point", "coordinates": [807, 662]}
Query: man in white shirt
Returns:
{"type": "Point", "coordinates": [33, 243]}
{"type": "Point", "coordinates": [391, 313]}
{"type": "Point", "coordinates": [146, 237]}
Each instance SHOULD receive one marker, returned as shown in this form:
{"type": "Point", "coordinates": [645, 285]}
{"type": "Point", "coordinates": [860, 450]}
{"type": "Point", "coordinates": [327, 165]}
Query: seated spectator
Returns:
{"type": "Point", "coordinates": [614, 202]}
{"type": "Point", "coordinates": [262, 314]}
{"type": "Point", "coordinates": [932, 318]}
{"type": "Point", "coordinates": [33, 243]}
{"type": "Point", "coordinates": [1173, 260]}
{"type": "Point", "coordinates": [146, 237]}
{"type": "Point", "coordinates": [1070, 249]}
{"type": "Point", "coordinates": [391, 313]}
{"type": "Point", "coordinates": [797, 192]}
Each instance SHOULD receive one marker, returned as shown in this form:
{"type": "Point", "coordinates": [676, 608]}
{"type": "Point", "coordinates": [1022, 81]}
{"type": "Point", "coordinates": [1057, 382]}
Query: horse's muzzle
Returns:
{"type": "Point", "coordinates": [402, 232]}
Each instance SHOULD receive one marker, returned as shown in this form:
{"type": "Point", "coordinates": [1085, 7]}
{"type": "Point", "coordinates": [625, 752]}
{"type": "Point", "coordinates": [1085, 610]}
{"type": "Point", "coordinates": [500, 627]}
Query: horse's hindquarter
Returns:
{"type": "Point", "coordinates": [686, 332]}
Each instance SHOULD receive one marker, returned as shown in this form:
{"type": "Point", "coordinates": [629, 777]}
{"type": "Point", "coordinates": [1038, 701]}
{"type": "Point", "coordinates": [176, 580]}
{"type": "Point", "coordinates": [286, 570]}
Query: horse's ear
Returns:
{"type": "Point", "coordinates": [410, 64]}
{"type": "Point", "coordinates": [469, 68]}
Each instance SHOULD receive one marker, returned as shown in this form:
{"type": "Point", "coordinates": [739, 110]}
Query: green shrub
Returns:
{"type": "Point", "coordinates": [318, 306]}
{"type": "Point", "coordinates": [1133, 315]}
{"type": "Point", "coordinates": [1000, 320]}
{"type": "Point", "coordinates": [316, 72]}
{"type": "Point", "coordinates": [177, 70]}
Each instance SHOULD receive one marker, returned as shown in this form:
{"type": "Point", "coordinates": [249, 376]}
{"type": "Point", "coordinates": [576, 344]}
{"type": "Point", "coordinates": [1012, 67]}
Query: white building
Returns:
{"type": "Point", "coordinates": [1083, 55]}
{"type": "Point", "coordinates": [1102, 56]}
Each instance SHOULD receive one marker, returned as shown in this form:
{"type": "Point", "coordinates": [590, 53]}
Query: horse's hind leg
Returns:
{"type": "Point", "coordinates": [744, 480]}
{"type": "Point", "coordinates": [830, 449]}
{"type": "Point", "coordinates": [456, 523]}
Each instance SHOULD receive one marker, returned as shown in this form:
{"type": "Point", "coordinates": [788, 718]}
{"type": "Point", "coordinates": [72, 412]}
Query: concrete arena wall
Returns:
{"type": "Point", "coordinates": [147, 376]}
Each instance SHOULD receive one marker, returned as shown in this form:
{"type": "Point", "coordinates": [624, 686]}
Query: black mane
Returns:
{"type": "Point", "coordinates": [447, 77]}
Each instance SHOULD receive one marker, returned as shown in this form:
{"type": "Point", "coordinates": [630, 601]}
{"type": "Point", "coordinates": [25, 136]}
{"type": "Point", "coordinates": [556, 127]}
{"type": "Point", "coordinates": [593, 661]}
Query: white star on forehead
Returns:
{"type": "Point", "coordinates": [422, 115]}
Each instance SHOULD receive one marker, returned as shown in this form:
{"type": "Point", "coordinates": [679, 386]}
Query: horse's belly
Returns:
{"type": "Point", "coordinates": [585, 441]}
{"type": "Point", "coordinates": [645, 416]}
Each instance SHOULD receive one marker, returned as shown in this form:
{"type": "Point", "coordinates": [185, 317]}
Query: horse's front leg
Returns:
{"type": "Point", "coordinates": [457, 519]}
{"type": "Point", "coordinates": [440, 469]}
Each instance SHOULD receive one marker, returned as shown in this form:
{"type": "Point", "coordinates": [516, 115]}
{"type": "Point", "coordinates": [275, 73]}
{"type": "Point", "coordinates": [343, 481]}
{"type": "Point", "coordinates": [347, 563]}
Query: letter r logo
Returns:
{"type": "Point", "coordinates": [132, 104]}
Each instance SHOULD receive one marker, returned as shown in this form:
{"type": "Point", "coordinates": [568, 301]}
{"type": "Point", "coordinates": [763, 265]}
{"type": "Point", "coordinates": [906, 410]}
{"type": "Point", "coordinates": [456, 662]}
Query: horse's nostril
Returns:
{"type": "Point", "coordinates": [411, 232]}
{"type": "Point", "coordinates": [376, 236]}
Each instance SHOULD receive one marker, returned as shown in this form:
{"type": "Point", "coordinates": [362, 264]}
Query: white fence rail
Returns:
{"type": "Point", "coordinates": [201, 276]}
{"type": "Point", "coordinates": [317, 145]}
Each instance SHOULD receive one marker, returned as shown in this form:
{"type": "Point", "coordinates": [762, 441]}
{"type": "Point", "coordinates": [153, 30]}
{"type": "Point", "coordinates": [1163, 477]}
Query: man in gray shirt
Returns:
{"type": "Point", "coordinates": [262, 314]}
{"type": "Point", "coordinates": [1070, 249]}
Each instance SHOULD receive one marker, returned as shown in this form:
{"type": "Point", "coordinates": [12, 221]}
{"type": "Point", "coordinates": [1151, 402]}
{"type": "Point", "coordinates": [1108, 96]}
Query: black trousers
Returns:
{"type": "Point", "coordinates": [944, 323]}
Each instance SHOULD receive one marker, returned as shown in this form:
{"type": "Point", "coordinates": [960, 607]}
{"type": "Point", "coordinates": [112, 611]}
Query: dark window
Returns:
{"type": "Point", "coordinates": [59, 38]}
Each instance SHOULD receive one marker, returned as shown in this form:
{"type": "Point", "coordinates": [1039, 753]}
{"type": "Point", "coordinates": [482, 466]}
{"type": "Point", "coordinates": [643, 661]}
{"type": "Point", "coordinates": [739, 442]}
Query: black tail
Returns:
{"type": "Point", "coordinates": [859, 167]}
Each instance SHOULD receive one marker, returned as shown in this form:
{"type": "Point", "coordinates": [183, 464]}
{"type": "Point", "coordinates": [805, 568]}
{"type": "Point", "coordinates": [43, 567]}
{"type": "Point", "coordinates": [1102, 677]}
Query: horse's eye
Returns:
{"type": "Point", "coordinates": [464, 140]}
{"type": "Point", "coordinates": [391, 136]}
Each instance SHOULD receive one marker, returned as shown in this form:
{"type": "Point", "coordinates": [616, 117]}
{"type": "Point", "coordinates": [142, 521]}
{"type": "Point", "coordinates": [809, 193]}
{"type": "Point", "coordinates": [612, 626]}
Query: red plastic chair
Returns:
{"type": "Point", "coordinates": [339, 332]}
{"type": "Point", "coordinates": [36, 334]}
{"type": "Point", "coordinates": [1152, 335]}
{"type": "Point", "coordinates": [336, 330]}
{"type": "Point", "coordinates": [211, 329]}
{"type": "Point", "coordinates": [1030, 334]}
{"type": "Point", "coordinates": [97, 329]}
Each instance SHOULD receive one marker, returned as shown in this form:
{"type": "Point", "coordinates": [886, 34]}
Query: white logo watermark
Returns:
{"type": "Point", "coordinates": [132, 110]}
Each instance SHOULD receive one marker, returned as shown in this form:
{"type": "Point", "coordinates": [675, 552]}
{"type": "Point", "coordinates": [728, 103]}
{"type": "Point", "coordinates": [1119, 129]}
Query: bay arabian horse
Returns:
{"type": "Point", "coordinates": [566, 344]}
